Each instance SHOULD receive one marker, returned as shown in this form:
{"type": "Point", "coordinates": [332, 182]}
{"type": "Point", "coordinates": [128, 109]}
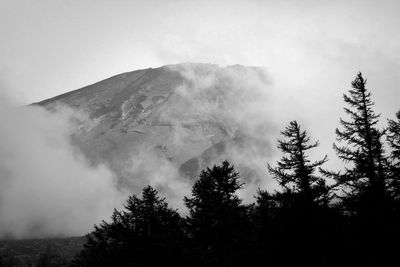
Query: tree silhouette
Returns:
{"type": "Point", "coordinates": [294, 172]}
{"type": "Point", "coordinates": [147, 233]}
{"type": "Point", "coordinates": [393, 137]}
{"type": "Point", "coordinates": [218, 221]}
{"type": "Point", "coordinates": [297, 216]}
{"type": "Point", "coordinates": [365, 177]}
{"type": "Point", "coordinates": [303, 223]}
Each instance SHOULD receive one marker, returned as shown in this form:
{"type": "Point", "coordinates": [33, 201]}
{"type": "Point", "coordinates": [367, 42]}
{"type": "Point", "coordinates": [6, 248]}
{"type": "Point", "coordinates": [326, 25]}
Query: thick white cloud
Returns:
{"type": "Point", "coordinates": [46, 186]}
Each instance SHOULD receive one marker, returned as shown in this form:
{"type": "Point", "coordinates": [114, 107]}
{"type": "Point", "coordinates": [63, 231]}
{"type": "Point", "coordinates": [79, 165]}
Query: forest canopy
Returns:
{"type": "Point", "coordinates": [318, 216]}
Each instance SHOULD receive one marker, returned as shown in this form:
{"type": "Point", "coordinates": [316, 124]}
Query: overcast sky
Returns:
{"type": "Point", "coordinates": [312, 49]}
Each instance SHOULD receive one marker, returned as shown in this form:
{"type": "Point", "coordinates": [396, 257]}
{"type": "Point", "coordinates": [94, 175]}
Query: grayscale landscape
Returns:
{"type": "Point", "coordinates": [199, 133]}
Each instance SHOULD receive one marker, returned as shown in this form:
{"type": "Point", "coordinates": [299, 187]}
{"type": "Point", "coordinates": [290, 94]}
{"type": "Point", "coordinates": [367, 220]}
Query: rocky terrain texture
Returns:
{"type": "Point", "coordinates": [188, 115]}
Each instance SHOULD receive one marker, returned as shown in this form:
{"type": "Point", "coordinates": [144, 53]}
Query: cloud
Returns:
{"type": "Point", "coordinates": [313, 51]}
{"type": "Point", "coordinates": [149, 168]}
{"type": "Point", "coordinates": [47, 188]}
{"type": "Point", "coordinates": [238, 99]}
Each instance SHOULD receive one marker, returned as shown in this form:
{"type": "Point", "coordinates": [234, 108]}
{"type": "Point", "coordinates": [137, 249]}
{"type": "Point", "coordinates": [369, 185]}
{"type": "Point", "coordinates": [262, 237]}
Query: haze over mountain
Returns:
{"type": "Point", "coordinates": [69, 160]}
{"type": "Point", "coordinates": [162, 126]}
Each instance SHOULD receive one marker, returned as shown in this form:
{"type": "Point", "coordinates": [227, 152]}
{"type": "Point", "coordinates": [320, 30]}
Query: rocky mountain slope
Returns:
{"type": "Point", "coordinates": [183, 117]}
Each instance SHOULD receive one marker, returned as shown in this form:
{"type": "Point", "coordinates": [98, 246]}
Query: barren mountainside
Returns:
{"type": "Point", "coordinates": [187, 115]}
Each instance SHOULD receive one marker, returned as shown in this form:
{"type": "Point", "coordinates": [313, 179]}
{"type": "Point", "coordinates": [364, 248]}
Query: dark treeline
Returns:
{"type": "Point", "coordinates": [318, 216]}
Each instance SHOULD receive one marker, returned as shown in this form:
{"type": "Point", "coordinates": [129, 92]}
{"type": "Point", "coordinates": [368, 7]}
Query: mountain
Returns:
{"type": "Point", "coordinates": [176, 118]}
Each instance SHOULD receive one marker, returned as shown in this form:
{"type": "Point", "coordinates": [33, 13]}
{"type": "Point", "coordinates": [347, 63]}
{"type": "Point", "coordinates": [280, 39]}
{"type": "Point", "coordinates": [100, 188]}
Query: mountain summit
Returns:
{"type": "Point", "coordinates": [186, 116]}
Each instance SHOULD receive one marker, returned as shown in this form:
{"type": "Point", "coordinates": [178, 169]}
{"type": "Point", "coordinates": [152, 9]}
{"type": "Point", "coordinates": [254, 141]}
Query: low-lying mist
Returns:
{"type": "Point", "coordinates": [228, 111]}
{"type": "Point", "coordinates": [47, 188]}
{"type": "Point", "coordinates": [52, 185]}
{"type": "Point", "coordinates": [239, 98]}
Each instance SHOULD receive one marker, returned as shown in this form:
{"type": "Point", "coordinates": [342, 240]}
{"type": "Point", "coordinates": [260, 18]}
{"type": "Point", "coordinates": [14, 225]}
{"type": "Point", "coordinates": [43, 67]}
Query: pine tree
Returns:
{"type": "Point", "coordinates": [295, 173]}
{"type": "Point", "coordinates": [217, 222]}
{"type": "Point", "coordinates": [146, 233]}
{"type": "Point", "coordinates": [393, 137]}
{"type": "Point", "coordinates": [364, 180]}
{"type": "Point", "coordinates": [294, 219]}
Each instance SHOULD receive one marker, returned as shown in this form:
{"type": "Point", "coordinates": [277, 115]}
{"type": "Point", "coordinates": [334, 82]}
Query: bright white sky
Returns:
{"type": "Point", "coordinates": [312, 49]}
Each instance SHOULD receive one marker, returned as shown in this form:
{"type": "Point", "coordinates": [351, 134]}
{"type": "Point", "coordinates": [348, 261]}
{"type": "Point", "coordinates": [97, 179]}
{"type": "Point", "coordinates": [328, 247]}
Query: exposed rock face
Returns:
{"type": "Point", "coordinates": [188, 115]}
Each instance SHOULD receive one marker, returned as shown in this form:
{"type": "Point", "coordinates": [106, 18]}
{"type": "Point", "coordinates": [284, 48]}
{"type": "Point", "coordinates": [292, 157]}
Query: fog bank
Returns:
{"type": "Point", "coordinates": [46, 186]}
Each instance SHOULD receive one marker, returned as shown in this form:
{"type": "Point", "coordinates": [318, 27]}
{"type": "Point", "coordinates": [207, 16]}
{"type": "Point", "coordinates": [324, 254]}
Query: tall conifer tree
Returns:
{"type": "Point", "coordinates": [365, 177]}
{"type": "Point", "coordinates": [218, 221]}
{"type": "Point", "coordinates": [393, 137]}
{"type": "Point", "coordinates": [295, 172]}
{"type": "Point", "coordinates": [147, 233]}
{"type": "Point", "coordinates": [300, 212]}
